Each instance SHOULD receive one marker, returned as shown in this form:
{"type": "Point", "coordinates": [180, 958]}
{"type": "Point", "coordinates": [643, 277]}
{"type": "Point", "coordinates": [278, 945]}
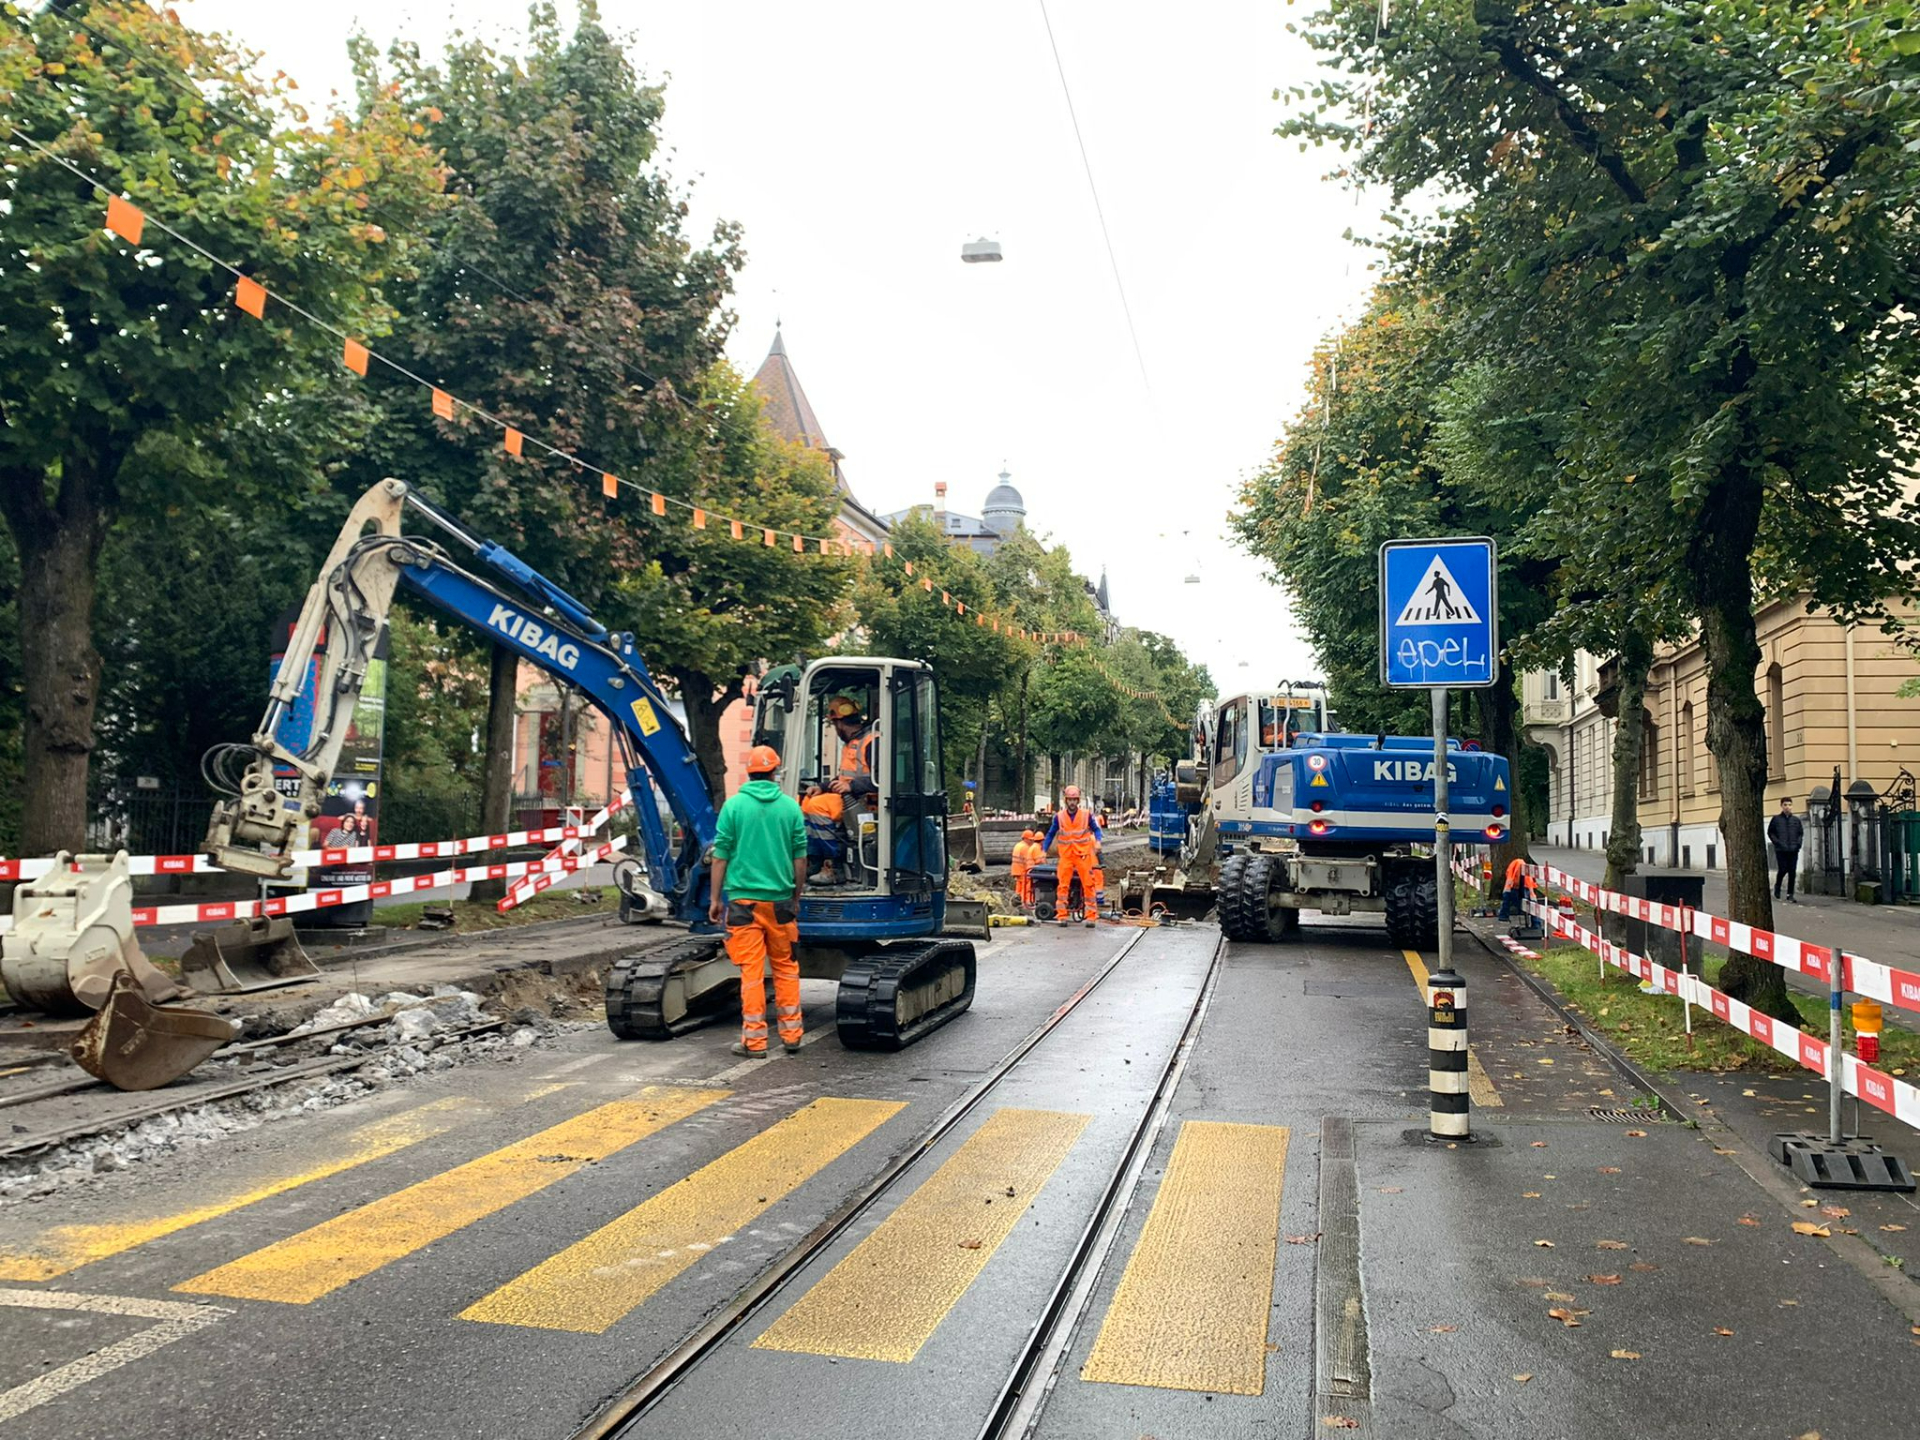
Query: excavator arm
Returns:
{"type": "Point", "coordinates": [256, 828]}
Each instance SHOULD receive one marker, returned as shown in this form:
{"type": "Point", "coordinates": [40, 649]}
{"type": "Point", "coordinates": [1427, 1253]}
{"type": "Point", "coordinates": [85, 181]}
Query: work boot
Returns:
{"type": "Point", "coordinates": [1063, 921]}
{"type": "Point", "coordinates": [740, 1048]}
{"type": "Point", "coordinates": [1090, 922]}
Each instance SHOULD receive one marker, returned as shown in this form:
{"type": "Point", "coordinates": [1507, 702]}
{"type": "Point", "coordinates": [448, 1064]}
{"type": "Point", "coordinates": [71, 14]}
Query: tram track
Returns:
{"type": "Point", "coordinates": [1022, 1394]}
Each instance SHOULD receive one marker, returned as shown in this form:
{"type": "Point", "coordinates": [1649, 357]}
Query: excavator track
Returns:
{"type": "Point", "coordinates": [647, 994]}
{"type": "Point", "coordinates": [899, 994]}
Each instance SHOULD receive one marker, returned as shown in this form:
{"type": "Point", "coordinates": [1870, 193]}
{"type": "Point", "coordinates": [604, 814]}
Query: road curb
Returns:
{"type": "Point", "coordinates": [1893, 1286]}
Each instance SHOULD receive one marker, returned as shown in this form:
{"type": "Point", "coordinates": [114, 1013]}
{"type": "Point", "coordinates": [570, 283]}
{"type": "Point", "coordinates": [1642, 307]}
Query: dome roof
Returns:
{"type": "Point", "coordinates": [1004, 497]}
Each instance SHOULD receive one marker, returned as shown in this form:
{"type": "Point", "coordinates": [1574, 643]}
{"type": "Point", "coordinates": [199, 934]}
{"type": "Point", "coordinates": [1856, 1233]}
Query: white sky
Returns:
{"type": "Point", "coordinates": [860, 143]}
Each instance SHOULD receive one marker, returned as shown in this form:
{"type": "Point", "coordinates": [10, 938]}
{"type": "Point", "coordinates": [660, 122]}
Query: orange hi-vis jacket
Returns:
{"type": "Point", "coordinates": [1517, 876]}
{"type": "Point", "coordinates": [1023, 856]}
{"type": "Point", "coordinates": [856, 761]}
{"type": "Point", "coordinates": [1074, 832]}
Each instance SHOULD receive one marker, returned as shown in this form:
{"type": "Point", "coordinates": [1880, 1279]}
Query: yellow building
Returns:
{"type": "Point", "coordinates": [1831, 701]}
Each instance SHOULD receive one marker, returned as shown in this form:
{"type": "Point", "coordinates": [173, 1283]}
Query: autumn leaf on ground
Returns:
{"type": "Point", "coordinates": [1612, 1245]}
{"type": "Point", "coordinates": [1626, 1354]}
{"type": "Point", "coordinates": [1807, 1227]}
{"type": "Point", "coordinates": [1539, 1144]}
{"type": "Point", "coordinates": [1808, 1204]}
{"type": "Point", "coordinates": [1603, 1279]}
{"type": "Point", "coordinates": [1786, 1303]}
{"type": "Point", "coordinates": [1609, 1169]}
{"type": "Point", "coordinates": [1522, 1379]}
{"type": "Point", "coordinates": [1746, 1220]}
{"type": "Point", "coordinates": [1893, 1229]}
{"type": "Point", "coordinates": [1835, 1212]}
{"type": "Point", "coordinates": [1389, 1189]}
{"type": "Point", "coordinates": [1636, 1134]}
{"type": "Point", "coordinates": [1718, 1151]}
{"type": "Point", "coordinates": [1697, 1240]}
{"type": "Point", "coordinates": [1339, 1422]}
{"type": "Point", "coordinates": [1568, 1318]}
{"type": "Point", "coordinates": [1303, 1239]}
{"type": "Point", "coordinates": [970, 1244]}
{"type": "Point", "coordinates": [1529, 1194]}
{"type": "Point", "coordinates": [1721, 1330]}
{"type": "Point", "coordinates": [1544, 1244]}
{"type": "Point", "coordinates": [1441, 1329]}
{"type": "Point", "coordinates": [1557, 1295]}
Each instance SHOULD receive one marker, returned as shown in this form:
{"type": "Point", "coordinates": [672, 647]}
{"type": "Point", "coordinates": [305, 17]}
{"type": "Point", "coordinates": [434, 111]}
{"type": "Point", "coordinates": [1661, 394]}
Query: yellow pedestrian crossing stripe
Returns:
{"type": "Point", "coordinates": [888, 1296]}
{"type": "Point", "coordinates": [67, 1247]}
{"type": "Point", "coordinates": [591, 1286]}
{"type": "Point", "coordinates": [1191, 1309]}
{"type": "Point", "coordinates": [337, 1252]}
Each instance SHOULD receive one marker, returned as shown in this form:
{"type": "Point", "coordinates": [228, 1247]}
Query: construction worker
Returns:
{"type": "Point", "coordinates": [853, 777]}
{"type": "Point", "coordinates": [1074, 839]}
{"type": "Point", "coordinates": [1023, 857]}
{"type": "Point", "coordinates": [759, 875]}
{"type": "Point", "coordinates": [1515, 889]}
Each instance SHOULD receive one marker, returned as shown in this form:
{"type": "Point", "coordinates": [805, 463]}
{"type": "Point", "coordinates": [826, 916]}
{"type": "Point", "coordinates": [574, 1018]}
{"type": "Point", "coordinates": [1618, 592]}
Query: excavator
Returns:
{"type": "Point", "coordinates": [887, 933]}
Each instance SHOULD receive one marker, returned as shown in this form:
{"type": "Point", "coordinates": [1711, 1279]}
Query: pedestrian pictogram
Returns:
{"type": "Point", "coordinates": [1438, 600]}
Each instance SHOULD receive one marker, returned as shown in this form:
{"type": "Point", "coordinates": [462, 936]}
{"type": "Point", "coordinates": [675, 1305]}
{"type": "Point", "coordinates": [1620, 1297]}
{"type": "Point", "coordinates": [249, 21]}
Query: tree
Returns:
{"type": "Point", "coordinates": [563, 295]}
{"type": "Point", "coordinates": [1072, 704]}
{"type": "Point", "coordinates": [1711, 206]}
{"type": "Point", "coordinates": [130, 385]}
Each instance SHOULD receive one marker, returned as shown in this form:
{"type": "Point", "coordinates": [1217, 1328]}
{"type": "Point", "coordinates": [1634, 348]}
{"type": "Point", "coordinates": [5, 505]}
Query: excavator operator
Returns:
{"type": "Point", "coordinates": [854, 777]}
{"type": "Point", "coordinates": [1074, 838]}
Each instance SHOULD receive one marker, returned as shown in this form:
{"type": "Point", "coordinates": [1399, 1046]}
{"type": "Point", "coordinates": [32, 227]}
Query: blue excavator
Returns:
{"type": "Point", "coordinates": [881, 933]}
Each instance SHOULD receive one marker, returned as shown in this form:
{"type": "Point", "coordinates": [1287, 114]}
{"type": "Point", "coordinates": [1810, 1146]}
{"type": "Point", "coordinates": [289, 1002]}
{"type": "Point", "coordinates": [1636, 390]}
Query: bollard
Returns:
{"type": "Point", "coordinates": [1447, 1117]}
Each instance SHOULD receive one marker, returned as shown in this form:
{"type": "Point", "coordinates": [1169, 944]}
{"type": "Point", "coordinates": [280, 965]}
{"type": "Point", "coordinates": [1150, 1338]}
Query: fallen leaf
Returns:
{"type": "Point", "coordinates": [1626, 1354]}
{"type": "Point", "coordinates": [1642, 1267]}
{"type": "Point", "coordinates": [1785, 1303]}
{"type": "Point", "coordinates": [1747, 1093]}
{"type": "Point", "coordinates": [1636, 1134]}
{"type": "Point", "coordinates": [1721, 1330]}
{"type": "Point", "coordinates": [1544, 1244]}
{"type": "Point", "coordinates": [1835, 1212]}
{"type": "Point", "coordinates": [1697, 1240]}
{"type": "Point", "coordinates": [1568, 1318]}
{"type": "Point", "coordinates": [1522, 1379]}
{"type": "Point", "coordinates": [1339, 1422]}
{"type": "Point", "coordinates": [1718, 1151]}
{"type": "Point", "coordinates": [1441, 1329]}
{"type": "Point", "coordinates": [1808, 1204]}
{"type": "Point", "coordinates": [1807, 1227]}
{"type": "Point", "coordinates": [970, 1244]}
{"type": "Point", "coordinates": [1529, 1194]}
{"type": "Point", "coordinates": [1303, 1239]}
{"type": "Point", "coordinates": [1389, 1189]}
{"type": "Point", "coordinates": [1893, 1229]}
{"type": "Point", "coordinates": [1808, 1435]}
{"type": "Point", "coordinates": [1549, 1177]}
{"type": "Point", "coordinates": [1539, 1144]}
{"type": "Point", "coordinates": [1612, 1245]}
{"type": "Point", "coordinates": [1603, 1279]}
{"type": "Point", "coordinates": [1556, 1295]}
{"type": "Point", "coordinates": [1609, 1169]}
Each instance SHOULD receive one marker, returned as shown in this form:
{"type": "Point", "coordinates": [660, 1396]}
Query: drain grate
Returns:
{"type": "Point", "coordinates": [1628, 1117]}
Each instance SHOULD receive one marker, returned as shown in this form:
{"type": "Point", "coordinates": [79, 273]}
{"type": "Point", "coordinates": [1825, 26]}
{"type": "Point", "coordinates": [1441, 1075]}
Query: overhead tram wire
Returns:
{"type": "Point", "coordinates": [1113, 260]}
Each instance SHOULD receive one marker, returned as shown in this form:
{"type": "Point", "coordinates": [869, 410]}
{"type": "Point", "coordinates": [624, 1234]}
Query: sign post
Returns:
{"type": "Point", "coordinates": [1439, 630]}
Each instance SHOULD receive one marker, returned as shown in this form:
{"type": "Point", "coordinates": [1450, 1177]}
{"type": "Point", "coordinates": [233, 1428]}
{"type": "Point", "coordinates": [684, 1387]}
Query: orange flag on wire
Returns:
{"type": "Point", "coordinates": [250, 296]}
{"type": "Point", "coordinates": [609, 485]}
{"type": "Point", "coordinates": [513, 441]}
{"type": "Point", "coordinates": [889, 552]}
{"type": "Point", "coordinates": [799, 545]}
{"type": "Point", "coordinates": [442, 404]}
{"type": "Point", "coordinates": [926, 584]}
{"type": "Point", "coordinates": [909, 567]}
{"type": "Point", "coordinates": [353, 355]}
{"type": "Point", "coordinates": [738, 529]}
{"type": "Point", "coordinates": [767, 537]}
{"type": "Point", "coordinates": [125, 220]}
{"type": "Point", "coordinates": [699, 518]}
{"type": "Point", "coordinates": [659, 503]}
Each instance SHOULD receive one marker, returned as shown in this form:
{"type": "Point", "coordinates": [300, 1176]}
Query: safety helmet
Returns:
{"type": "Point", "coordinates": [842, 708]}
{"type": "Point", "coordinates": [1028, 835]}
{"type": "Point", "coordinates": [762, 759]}
{"type": "Point", "coordinates": [1072, 792]}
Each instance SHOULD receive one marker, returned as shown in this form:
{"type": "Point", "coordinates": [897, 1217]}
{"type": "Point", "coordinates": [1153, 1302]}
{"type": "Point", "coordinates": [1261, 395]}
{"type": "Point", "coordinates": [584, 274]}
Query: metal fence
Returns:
{"type": "Point", "coordinates": [148, 821]}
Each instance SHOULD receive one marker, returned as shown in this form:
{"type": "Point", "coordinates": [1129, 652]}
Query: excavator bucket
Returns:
{"type": "Point", "coordinates": [966, 919]}
{"type": "Point", "coordinates": [256, 954]}
{"type": "Point", "coordinates": [134, 1044]}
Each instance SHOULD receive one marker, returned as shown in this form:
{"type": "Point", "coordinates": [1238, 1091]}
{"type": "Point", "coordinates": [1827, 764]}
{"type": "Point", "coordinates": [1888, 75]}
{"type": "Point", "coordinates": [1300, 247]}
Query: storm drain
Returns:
{"type": "Point", "coordinates": [1627, 1117]}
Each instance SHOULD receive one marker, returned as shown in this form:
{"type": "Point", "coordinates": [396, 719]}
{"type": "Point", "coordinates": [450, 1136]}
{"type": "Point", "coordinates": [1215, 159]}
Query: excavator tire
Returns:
{"type": "Point", "coordinates": [1413, 907]}
{"type": "Point", "coordinates": [1236, 923]}
{"type": "Point", "coordinates": [1271, 923]}
{"type": "Point", "coordinates": [647, 997]}
{"type": "Point", "coordinates": [898, 994]}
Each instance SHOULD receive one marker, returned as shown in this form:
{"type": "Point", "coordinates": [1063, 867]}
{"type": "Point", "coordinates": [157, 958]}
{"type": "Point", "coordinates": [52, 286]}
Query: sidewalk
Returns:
{"type": "Point", "coordinates": [1887, 933]}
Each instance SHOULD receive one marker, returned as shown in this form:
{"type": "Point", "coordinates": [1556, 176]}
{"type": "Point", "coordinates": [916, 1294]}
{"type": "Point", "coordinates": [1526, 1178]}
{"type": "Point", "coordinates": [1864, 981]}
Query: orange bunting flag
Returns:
{"type": "Point", "coordinates": [767, 536]}
{"type": "Point", "coordinates": [799, 545]}
{"type": "Point", "coordinates": [996, 627]}
{"type": "Point", "coordinates": [353, 355]}
{"type": "Point", "coordinates": [945, 598]}
{"type": "Point", "coordinates": [514, 441]}
{"type": "Point", "coordinates": [250, 296]}
{"type": "Point", "coordinates": [926, 585]}
{"type": "Point", "coordinates": [889, 552]}
{"type": "Point", "coordinates": [659, 503]}
{"type": "Point", "coordinates": [125, 220]}
{"type": "Point", "coordinates": [699, 518]}
{"type": "Point", "coordinates": [909, 567]}
{"type": "Point", "coordinates": [979, 619]}
{"type": "Point", "coordinates": [609, 485]}
{"type": "Point", "coordinates": [738, 530]}
{"type": "Point", "coordinates": [961, 608]}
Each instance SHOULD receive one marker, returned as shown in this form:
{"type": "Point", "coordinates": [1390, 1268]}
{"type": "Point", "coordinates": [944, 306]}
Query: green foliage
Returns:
{"type": "Point", "coordinates": [436, 707]}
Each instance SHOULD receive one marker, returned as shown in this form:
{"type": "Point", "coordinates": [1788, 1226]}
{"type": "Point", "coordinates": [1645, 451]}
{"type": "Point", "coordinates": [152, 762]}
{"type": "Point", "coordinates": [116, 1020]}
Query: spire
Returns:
{"type": "Point", "coordinates": [1101, 594]}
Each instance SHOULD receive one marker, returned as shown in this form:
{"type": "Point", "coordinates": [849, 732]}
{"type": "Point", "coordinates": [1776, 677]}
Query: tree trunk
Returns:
{"type": "Point", "coordinates": [1053, 785]}
{"type": "Point", "coordinates": [1719, 564]}
{"type": "Point", "coordinates": [496, 785]}
{"type": "Point", "coordinates": [1025, 776]}
{"type": "Point", "coordinates": [1623, 830]}
{"type": "Point", "coordinates": [705, 701]}
{"type": "Point", "coordinates": [59, 546]}
{"type": "Point", "coordinates": [980, 761]}
{"type": "Point", "coordinates": [1500, 733]}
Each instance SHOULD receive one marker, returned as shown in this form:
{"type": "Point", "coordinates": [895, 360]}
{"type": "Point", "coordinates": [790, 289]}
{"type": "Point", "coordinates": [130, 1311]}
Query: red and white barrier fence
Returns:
{"type": "Point", "coordinates": [540, 877]}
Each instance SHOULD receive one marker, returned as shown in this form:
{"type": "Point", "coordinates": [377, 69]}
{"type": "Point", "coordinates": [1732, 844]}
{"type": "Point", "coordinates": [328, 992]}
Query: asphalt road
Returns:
{"type": "Point", "coordinates": [495, 1250]}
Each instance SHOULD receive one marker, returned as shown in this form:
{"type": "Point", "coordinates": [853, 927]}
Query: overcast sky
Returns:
{"type": "Point", "coordinates": [861, 143]}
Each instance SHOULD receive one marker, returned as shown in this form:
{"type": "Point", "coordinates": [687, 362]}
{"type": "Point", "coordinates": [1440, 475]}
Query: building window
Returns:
{"type": "Point", "coordinates": [1686, 748]}
{"type": "Point", "coordinates": [1649, 760]}
{"type": "Point", "coordinates": [1553, 685]}
{"type": "Point", "coordinates": [1776, 724]}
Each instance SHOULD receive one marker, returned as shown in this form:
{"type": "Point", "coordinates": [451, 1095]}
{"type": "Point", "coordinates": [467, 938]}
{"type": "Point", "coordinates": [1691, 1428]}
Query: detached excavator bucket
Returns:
{"type": "Point", "coordinates": [257, 954]}
{"type": "Point", "coordinates": [967, 919]}
{"type": "Point", "coordinates": [134, 1044]}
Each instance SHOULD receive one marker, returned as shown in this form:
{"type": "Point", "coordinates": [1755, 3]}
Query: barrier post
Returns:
{"type": "Point", "coordinates": [1447, 1103]}
{"type": "Point", "coordinates": [1836, 1057]}
{"type": "Point", "coordinates": [1686, 973]}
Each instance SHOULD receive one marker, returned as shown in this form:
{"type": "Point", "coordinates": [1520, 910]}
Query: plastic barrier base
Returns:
{"type": "Point", "coordinates": [1856, 1163]}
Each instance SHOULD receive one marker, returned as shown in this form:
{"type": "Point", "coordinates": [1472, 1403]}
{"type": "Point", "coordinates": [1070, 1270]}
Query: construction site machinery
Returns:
{"type": "Point", "coordinates": [1288, 820]}
{"type": "Point", "coordinates": [880, 936]}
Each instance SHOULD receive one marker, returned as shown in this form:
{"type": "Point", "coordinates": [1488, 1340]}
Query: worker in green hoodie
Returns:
{"type": "Point", "coordinates": [759, 873]}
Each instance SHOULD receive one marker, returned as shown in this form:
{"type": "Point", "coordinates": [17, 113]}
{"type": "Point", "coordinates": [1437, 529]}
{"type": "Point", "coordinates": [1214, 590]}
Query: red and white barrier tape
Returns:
{"type": "Point", "coordinates": [1859, 974]}
{"type": "Point", "coordinates": [527, 887]}
{"type": "Point", "coordinates": [1878, 1089]}
{"type": "Point", "coordinates": [549, 869]}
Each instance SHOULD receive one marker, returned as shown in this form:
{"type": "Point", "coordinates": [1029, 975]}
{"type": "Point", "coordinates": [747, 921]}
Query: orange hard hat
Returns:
{"type": "Point", "coordinates": [1072, 792]}
{"type": "Point", "coordinates": [842, 708]}
{"type": "Point", "coordinates": [761, 759]}
{"type": "Point", "coordinates": [1028, 835]}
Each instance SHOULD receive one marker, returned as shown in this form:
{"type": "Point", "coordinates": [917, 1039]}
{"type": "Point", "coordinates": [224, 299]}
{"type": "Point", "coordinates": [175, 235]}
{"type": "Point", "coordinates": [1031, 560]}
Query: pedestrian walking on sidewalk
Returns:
{"type": "Point", "coordinates": [759, 875]}
{"type": "Point", "coordinates": [1784, 833]}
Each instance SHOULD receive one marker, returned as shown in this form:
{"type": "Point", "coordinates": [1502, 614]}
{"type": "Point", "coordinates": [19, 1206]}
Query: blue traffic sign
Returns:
{"type": "Point", "coordinates": [1439, 622]}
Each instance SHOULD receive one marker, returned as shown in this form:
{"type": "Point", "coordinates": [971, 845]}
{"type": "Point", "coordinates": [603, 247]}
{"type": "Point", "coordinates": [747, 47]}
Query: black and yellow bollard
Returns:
{"type": "Point", "coordinates": [1447, 1117]}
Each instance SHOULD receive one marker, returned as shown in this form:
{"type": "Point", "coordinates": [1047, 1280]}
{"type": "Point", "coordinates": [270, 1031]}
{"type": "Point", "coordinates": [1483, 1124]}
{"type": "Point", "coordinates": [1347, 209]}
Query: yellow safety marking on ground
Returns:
{"type": "Point", "coordinates": [319, 1261]}
{"type": "Point", "coordinates": [887, 1297]}
{"type": "Point", "coordinates": [592, 1285]}
{"type": "Point", "coordinates": [67, 1247]}
{"type": "Point", "coordinates": [1481, 1090]}
{"type": "Point", "coordinates": [1191, 1309]}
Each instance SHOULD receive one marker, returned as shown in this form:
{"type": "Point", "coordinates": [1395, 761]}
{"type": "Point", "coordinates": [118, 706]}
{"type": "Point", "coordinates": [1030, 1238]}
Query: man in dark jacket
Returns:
{"type": "Point", "coordinates": [1784, 833]}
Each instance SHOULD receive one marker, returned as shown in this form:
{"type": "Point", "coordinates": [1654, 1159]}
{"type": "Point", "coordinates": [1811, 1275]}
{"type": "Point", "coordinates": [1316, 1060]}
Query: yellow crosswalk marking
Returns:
{"type": "Point", "coordinates": [1191, 1309]}
{"type": "Point", "coordinates": [319, 1261]}
{"type": "Point", "coordinates": [67, 1247]}
{"type": "Point", "coordinates": [888, 1296]}
{"type": "Point", "coordinates": [590, 1286]}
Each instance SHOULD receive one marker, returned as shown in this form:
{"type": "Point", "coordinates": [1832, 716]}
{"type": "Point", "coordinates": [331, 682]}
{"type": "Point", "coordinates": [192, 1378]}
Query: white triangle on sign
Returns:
{"type": "Point", "coordinates": [1437, 600]}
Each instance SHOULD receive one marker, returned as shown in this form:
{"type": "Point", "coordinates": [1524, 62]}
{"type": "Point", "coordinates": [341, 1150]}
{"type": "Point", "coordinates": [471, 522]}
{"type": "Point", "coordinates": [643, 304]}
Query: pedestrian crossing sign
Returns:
{"type": "Point", "coordinates": [1439, 605]}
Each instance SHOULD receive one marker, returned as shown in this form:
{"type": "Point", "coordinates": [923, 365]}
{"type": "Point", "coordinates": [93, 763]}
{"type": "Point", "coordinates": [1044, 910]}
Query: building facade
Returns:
{"type": "Point", "coordinates": [1832, 705]}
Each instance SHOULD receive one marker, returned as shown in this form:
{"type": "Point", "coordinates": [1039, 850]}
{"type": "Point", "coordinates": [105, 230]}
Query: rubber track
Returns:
{"type": "Point", "coordinates": [1413, 908]}
{"type": "Point", "coordinates": [866, 1009]}
{"type": "Point", "coordinates": [636, 985]}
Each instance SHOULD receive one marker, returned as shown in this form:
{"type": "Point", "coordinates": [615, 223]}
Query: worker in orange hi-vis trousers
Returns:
{"type": "Point", "coordinates": [1023, 849]}
{"type": "Point", "coordinates": [759, 875]}
{"type": "Point", "coordinates": [1074, 838]}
